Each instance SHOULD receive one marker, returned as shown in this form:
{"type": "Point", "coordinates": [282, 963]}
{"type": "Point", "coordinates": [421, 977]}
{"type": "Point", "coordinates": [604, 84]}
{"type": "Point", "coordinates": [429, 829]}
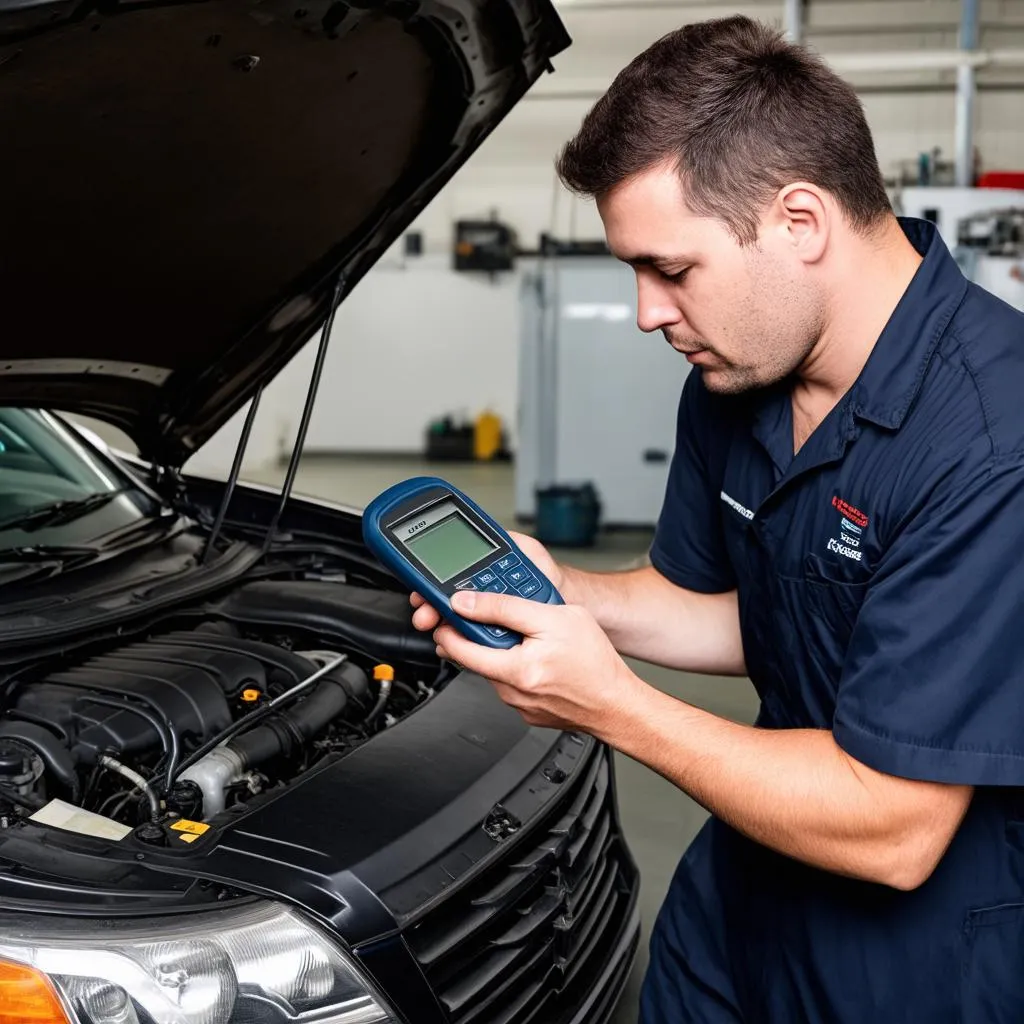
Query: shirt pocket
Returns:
{"type": "Point", "coordinates": [992, 966]}
{"type": "Point", "coordinates": [813, 619]}
{"type": "Point", "coordinates": [834, 597]}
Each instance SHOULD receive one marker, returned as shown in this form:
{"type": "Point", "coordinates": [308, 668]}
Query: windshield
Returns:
{"type": "Point", "coordinates": [52, 483]}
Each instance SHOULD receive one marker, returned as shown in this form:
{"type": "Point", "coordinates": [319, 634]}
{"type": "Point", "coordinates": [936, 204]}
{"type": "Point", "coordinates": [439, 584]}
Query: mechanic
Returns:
{"type": "Point", "coordinates": [843, 523]}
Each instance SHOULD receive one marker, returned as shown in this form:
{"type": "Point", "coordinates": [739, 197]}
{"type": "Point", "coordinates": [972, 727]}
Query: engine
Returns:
{"type": "Point", "coordinates": [194, 721]}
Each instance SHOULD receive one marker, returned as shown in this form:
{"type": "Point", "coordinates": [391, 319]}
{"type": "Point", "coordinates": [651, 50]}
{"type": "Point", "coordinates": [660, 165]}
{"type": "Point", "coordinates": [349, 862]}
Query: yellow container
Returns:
{"type": "Point", "coordinates": [486, 436]}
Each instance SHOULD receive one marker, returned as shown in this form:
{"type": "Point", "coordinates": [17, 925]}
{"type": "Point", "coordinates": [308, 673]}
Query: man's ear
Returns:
{"type": "Point", "coordinates": [803, 215]}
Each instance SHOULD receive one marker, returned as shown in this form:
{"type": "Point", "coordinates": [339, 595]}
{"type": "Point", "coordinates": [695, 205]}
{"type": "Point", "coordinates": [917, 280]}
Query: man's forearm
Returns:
{"type": "Point", "coordinates": [795, 791]}
{"type": "Point", "coordinates": [647, 617]}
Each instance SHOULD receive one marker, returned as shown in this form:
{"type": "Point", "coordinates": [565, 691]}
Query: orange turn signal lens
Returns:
{"type": "Point", "coordinates": [28, 997]}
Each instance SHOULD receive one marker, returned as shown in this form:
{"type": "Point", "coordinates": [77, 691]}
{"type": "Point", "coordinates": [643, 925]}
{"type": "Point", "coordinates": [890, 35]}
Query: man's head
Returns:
{"type": "Point", "coordinates": [729, 167]}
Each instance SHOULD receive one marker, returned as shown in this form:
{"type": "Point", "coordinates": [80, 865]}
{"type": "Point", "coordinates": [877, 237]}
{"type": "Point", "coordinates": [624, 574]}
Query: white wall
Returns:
{"type": "Point", "coordinates": [411, 343]}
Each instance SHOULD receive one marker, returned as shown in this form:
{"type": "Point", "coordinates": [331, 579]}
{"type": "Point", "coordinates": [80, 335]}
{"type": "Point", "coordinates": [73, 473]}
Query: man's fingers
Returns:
{"type": "Point", "coordinates": [485, 661]}
{"type": "Point", "coordinates": [518, 613]}
{"type": "Point", "coordinates": [425, 618]}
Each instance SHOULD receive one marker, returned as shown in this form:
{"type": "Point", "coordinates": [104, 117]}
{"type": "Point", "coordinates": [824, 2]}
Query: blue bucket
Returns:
{"type": "Point", "coordinates": [567, 517]}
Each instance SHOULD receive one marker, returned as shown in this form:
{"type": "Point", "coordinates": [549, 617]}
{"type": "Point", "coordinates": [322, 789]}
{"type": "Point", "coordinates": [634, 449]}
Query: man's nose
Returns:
{"type": "Point", "coordinates": [655, 308]}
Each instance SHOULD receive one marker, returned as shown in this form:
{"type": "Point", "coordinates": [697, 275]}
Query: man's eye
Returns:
{"type": "Point", "coordinates": [675, 276]}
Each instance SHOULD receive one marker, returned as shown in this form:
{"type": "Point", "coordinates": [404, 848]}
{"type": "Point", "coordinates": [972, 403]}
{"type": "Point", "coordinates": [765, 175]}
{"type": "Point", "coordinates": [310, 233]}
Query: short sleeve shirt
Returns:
{"type": "Point", "coordinates": [878, 570]}
{"type": "Point", "coordinates": [881, 592]}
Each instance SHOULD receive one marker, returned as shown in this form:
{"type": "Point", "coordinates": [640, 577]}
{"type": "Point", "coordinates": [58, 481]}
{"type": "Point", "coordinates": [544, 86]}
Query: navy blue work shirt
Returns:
{"type": "Point", "coordinates": [881, 590]}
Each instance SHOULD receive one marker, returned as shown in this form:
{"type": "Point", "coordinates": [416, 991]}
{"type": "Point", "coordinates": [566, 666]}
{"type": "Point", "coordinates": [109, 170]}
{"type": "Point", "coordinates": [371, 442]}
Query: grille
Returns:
{"type": "Point", "coordinates": [523, 943]}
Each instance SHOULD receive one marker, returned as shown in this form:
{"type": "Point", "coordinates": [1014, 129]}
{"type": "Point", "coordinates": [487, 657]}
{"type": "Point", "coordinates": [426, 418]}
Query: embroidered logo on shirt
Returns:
{"type": "Point", "coordinates": [853, 514]}
{"type": "Point", "coordinates": [852, 524]}
{"type": "Point", "coordinates": [734, 504]}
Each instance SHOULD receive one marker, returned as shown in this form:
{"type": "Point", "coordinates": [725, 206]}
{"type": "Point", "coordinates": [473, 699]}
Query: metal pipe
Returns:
{"type": "Point", "coordinates": [966, 92]}
{"type": "Point", "coordinates": [555, 87]}
{"type": "Point", "coordinates": [793, 20]}
{"type": "Point", "coordinates": [137, 780]}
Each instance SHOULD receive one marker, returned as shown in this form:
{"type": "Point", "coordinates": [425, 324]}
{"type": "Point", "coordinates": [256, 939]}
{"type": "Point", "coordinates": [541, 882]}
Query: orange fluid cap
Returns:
{"type": "Point", "coordinates": [251, 696]}
{"type": "Point", "coordinates": [382, 672]}
{"type": "Point", "coordinates": [27, 996]}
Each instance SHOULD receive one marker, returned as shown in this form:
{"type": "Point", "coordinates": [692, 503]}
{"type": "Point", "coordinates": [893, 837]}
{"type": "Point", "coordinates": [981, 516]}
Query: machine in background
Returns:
{"type": "Point", "coordinates": [990, 251]}
{"type": "Point", "coordinates": [597, 397]}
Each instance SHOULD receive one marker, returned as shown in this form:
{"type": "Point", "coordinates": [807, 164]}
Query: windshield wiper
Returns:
{"type": "Point", "coordinates": [48, 553]}
{"type": "Point", "coordinates": [19, 565]}
{"type": "Point", "coordinates": [61, 511]}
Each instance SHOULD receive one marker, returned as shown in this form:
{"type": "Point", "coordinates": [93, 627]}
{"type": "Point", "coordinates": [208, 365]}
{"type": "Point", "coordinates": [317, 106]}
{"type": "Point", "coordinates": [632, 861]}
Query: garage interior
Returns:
{"type": "Point", "coordinates": [495, 344]}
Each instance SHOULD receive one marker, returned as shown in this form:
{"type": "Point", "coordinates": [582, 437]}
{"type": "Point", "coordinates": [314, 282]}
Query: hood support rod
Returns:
{"type": "Point", "coordinates": [307, 411]}
{"type": "Point", "coordinates": [236, 468]}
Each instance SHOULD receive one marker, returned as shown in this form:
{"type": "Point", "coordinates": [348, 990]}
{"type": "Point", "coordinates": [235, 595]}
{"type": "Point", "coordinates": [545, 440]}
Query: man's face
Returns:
{"type": "Point", "coordinates": [747, 316]}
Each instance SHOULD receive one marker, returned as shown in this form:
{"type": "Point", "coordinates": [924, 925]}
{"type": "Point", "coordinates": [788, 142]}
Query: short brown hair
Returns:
{"type": "Point", "coordinates": [742, 112]}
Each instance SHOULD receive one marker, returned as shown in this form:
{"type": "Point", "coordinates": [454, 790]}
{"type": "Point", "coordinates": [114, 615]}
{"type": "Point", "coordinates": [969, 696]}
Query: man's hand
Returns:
{"type": "Point", "coordinates": [426, 618]}
{"type": "Point", "coordinates": [564, 675]}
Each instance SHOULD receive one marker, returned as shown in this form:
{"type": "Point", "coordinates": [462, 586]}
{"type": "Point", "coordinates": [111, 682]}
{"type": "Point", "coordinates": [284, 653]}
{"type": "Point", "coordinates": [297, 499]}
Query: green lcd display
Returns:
{"type": "Point", "coordinates": [449, 546]}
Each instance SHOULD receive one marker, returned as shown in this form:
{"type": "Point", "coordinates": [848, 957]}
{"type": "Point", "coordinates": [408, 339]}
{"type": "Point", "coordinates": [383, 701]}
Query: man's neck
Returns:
{"type": "Point", "coordinates": [866, 289]}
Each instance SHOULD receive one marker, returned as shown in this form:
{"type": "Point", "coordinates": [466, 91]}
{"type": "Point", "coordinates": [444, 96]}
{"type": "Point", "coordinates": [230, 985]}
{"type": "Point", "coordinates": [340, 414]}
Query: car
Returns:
{"type": "Point", "coordinates": [236, 784]}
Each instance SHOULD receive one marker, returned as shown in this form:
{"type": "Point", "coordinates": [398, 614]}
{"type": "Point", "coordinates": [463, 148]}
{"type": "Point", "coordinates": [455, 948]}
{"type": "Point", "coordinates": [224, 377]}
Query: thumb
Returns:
{"type": "Point", "coordinates": [518, 613]}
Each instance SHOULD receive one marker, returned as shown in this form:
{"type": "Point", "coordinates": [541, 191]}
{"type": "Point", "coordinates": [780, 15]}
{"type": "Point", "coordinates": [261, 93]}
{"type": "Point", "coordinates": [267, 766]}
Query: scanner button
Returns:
{"type": "Point", "coordinates": [484, 579]}
{"type": "Point", "coordinates": [503, 565]}
{"type": "Point", "coordinates": [529, 588]}
{"type": "Point", "coordinates": [466, 585]}
{"type": "Point", "coordinates": [497, 631]}
{"type": "Point", "coordinates": [497, 587]}
{"type": "Point", "coordinates": [517, 577]}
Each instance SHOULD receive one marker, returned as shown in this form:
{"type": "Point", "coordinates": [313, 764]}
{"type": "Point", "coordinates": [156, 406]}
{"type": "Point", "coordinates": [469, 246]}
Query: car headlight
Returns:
{"type": "Point", "coordinates": [261, 964]}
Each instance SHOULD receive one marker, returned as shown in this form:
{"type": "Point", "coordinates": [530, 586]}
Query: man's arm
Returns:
{"type": "Point", "coordinates": [645, 615]}
{"type": "Point", "coordinates": [795, 791]}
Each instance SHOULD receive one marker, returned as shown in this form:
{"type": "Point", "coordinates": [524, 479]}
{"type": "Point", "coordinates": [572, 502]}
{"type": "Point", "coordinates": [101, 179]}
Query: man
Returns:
{"type": "Point", "coordinates": [843, 522]}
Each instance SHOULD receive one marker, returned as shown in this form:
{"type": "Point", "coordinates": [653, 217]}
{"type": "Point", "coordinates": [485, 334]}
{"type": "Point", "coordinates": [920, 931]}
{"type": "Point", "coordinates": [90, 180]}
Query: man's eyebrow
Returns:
{"type": "Point", "coordinates": [648, 259]}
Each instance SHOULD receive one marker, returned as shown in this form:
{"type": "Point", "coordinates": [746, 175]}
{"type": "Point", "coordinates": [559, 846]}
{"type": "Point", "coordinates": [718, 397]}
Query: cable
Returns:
{"type": "Point", "coordinates": [139, 782]}
{"type": "Point", "coordinates": [171, 747]}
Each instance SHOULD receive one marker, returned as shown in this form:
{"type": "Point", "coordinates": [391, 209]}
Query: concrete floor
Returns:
{"type": "Point", "coordinates": [659, 820]}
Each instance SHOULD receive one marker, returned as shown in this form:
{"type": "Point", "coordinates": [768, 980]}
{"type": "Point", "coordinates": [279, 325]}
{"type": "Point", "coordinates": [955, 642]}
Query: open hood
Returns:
{"type": "Point", "coordinates": [184, 181]}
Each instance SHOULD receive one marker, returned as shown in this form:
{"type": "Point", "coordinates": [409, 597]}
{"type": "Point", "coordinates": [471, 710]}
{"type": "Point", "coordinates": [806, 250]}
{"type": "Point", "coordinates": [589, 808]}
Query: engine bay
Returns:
{"type": "Point", "coordinates": [204, 712]}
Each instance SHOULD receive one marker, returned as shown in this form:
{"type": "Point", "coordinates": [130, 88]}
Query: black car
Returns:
{"type": "Point", "coordinates": [235, 784]}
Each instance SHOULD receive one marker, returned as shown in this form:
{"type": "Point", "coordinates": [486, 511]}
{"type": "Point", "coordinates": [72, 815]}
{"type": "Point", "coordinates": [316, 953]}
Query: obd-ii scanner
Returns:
{"type": "Point", "coordinates": [436, 540]}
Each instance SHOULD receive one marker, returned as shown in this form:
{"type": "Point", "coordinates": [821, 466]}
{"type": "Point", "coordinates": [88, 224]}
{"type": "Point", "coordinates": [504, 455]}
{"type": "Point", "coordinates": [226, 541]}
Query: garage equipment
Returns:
{"type": "Point", "coordinates": [437, 541]}
{"type": "Point", "coordinates": [597, 397]}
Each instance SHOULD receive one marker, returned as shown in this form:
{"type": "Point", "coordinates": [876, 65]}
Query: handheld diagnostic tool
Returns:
{"type": "Point", "coordinates": [438, 541]}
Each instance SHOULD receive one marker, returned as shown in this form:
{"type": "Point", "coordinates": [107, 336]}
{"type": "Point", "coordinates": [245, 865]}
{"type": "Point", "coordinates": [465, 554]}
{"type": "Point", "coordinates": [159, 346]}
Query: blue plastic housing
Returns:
{"type": "Point", "coordinates": [505, 569]}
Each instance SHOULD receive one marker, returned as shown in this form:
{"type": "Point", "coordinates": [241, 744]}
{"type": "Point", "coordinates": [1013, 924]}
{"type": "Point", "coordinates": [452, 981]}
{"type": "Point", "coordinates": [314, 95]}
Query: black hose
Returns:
{"type": "Point", "coordinates": [354, 678]}
{"type": "Point", "coordinates": [293, 727]}
{"type": "Point", "coordinates": [55, 756]}
{"type": "Point", "coordinates": [171, 748]}
{"type": "Point", "coordinates": [123, 703]}
{"type": "Point", "coordinates": [406, 689]}
{"type": "Point", "coordinates": [31, 803]}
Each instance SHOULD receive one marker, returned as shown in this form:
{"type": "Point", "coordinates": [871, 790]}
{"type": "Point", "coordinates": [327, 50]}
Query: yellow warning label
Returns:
{"type": "Point", "coordinates": [186, 838]}
{"type": "Point", "coordinates": [196, 828]}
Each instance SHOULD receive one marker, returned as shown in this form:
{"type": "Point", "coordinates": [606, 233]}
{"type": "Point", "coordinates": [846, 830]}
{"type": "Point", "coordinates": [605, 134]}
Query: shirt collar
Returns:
{"type": "Point", "coordinates": [892, 376]}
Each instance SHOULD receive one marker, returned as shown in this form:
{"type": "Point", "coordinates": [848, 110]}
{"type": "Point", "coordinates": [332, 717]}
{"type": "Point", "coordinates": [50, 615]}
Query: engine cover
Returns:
{"type": "Point", "coordinates": [184, 681]}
